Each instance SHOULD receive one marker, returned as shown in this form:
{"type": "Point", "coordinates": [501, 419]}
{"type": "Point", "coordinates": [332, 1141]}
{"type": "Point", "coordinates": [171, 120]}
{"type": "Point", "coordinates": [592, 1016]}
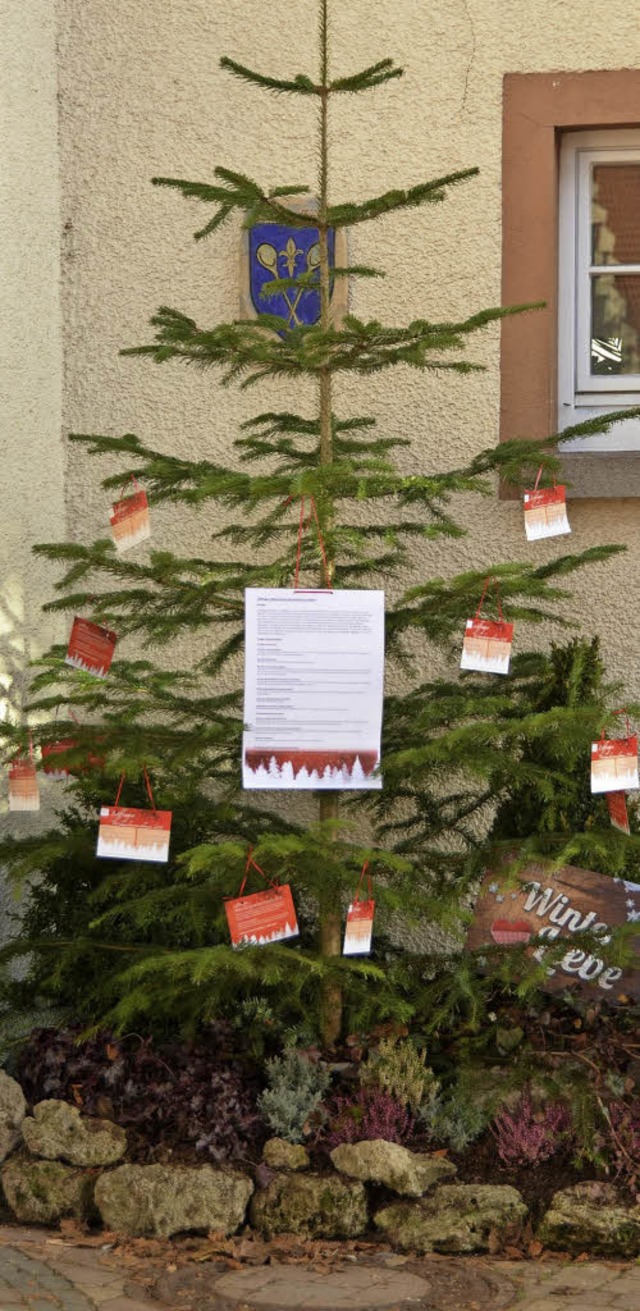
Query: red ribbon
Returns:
{"type": "Point", "coordinates": [624, 712]}
{"type": "Point", "coordinates": [364, 871]}
{"type": "Point", "coordinates": [251, 864]}
{"type": "Point", "coordinates": [147, 783]}
{"type": "Point", "coordinates": [301, 530]}
{"type": "Point", "coordinates": [135, 482]}
{"type": "Point", "coordinates": [487, 583]}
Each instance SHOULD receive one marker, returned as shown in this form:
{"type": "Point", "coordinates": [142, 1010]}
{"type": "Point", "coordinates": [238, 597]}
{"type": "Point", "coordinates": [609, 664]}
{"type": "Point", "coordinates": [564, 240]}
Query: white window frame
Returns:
{"type": "Point", "coordinates": [581, 395]}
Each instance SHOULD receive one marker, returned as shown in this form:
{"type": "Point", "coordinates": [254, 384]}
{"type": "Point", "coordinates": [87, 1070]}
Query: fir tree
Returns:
{"type": "Point", "coordinates": [452, 749]}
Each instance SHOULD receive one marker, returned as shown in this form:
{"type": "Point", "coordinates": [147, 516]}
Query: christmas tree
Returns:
{"type": "Point", "coordinates": [152, 941]}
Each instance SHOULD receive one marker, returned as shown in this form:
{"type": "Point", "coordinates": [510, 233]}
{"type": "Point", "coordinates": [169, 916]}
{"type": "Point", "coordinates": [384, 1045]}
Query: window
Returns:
{"type": "Point", "coordinates": [543, 114]}
{"type": "Point", "coordinates": [599, 283]}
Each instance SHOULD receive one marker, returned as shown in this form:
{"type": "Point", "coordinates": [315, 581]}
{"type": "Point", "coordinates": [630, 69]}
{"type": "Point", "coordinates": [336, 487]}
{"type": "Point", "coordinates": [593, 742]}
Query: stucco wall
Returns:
{"type": "Point", "coordinates": [141, 93]}
{"type": "Point", "coordinates": [31, 472]}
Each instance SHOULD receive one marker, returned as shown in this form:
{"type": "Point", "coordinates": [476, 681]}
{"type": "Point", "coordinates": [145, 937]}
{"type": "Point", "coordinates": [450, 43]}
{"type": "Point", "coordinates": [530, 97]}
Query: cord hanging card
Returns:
{"type": "Point", "coordinates": [132, 834]}
{"type": "Point", "coordinates": [261, 918]}
{"type": "Point", "coordinates": [545, 513]}
{"type": "Point", "coordinates": [614, 765]}
{"type": "Point", "coordinates": [618, 814]}
{"type": "Point", "coordinates": [130, 522]}
{"type": "Point", "coordinates": [24, 793]}
{"type": "Point", "coordinates": [91, 647]}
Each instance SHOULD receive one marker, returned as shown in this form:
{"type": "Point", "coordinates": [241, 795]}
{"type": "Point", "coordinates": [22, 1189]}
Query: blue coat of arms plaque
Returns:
{"type": "Point", "coordinates": [277, 251]}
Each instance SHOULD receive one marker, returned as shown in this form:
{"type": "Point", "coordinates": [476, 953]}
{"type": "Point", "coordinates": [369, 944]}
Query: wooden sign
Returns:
{"type": "Point", "coordinates": [547, 906]}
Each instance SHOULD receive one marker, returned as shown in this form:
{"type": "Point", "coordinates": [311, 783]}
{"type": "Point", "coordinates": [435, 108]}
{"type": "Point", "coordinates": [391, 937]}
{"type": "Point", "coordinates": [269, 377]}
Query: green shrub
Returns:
{"type": "Point", "coordinates": [296, 1088]}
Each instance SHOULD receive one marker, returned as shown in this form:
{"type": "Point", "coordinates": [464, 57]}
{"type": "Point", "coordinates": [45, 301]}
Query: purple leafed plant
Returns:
{"type": "Point", "coordinates": [182, 1096]}
{"type": "Point", "coordinates": [526, 1137]}
{"type": "Point", "coordinates": [370, 1113]}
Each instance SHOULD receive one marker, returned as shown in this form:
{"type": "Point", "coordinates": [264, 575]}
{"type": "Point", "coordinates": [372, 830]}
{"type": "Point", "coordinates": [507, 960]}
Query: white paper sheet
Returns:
{"type": "Point", "coordinates": [314, 674]}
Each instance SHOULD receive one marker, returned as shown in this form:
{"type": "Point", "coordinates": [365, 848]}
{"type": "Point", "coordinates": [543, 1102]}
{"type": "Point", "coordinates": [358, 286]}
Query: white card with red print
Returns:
{"type": "Point", "coordinates": [129, 518]}
{"type": "Point", "coordinates": [314, 673]}
{"type": "Point", "coordinates": [126, 833]}
{"type": "Point", "coordinates": [618, 814]}
{"type": "Point", "coordinates": [262, 917]}
{"type": "Point", "coordinates": [487, 646]}
{"type": "Point", "coordinates": [24, 793]}
{"type": "Point", "coordinates": [614, 765]}
{"type": "Point", "coordinates": [91, 647]}
{"type": "Point", "coordinates": [545, 513]}
{"type": "Point", "coordinates": [359, 928]}
{"type": "Point", "coordinates": [50, 763]}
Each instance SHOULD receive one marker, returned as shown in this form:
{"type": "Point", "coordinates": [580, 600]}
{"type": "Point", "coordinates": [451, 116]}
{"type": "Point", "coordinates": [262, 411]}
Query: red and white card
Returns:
{"type": "Point", "coordinates": [545, 513]}
{"type": "Point", "coordinates": [618, 814]}
{"type": "Point", "coordinates": [359, 928]}
{"type": "Point", "coordinates": [126, 833]}
{"type": "Point", "coordinates": [263, 917]}
{"type": "Point", "coordinates": [51, 765]}
{"type": "Point", "coordinates": [130, 522]}
{"type": "Point", "coordinates": [24, 793]}
{"type": "Point", "coordinates": [614, 765]}
{"type": "Point", "coordinates": [487, 646]}
{"type": "Point", "coordinates": [91, 647]}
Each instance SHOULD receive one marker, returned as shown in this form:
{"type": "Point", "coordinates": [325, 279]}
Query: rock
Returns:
{"type": "Point", "coordinates": [162, 1200]}
{"type": "Point", "coordinates": [13, 1109]}
{"type": "Point", "coordinates": [281, 1155]}
{"type": "Point", "coordinates": [591, 1217]}
{"type": "Point", "coordinates": [313, 1206]}
{"type": "Point", "coordinates": [58, 1131]}
{"type": "Point", "coordinates": [377, 1161]}
{"type": "Point", "coordinates": [455, 1218]}
{"type": "Point", "coordinates": [41, 1192]}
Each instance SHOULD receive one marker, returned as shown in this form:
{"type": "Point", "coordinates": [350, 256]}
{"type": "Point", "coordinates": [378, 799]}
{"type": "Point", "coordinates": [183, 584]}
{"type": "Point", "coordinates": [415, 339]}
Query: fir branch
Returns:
{"type": "Point", "coordinates": [299, 85]}
{"type": "Point", "coordinates": [373, 76]}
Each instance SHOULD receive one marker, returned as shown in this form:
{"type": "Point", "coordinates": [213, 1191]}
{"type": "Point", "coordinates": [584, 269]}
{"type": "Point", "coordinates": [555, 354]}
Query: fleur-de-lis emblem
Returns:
{"type": "Point", "coordinates": [267, 256]}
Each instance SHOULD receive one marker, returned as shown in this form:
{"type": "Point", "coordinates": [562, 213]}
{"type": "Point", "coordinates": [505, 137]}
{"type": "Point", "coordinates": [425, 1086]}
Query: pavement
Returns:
{"type": "Point", "coordinates": [42, 1271]}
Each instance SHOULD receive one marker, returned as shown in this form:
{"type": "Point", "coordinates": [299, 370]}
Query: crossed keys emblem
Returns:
{"type": "Point", "coordinates": [268, 257]}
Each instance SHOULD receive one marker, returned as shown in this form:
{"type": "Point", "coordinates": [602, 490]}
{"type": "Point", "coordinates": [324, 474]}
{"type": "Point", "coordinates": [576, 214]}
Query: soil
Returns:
{"type": "Point", "coordinates": [536, 1184]}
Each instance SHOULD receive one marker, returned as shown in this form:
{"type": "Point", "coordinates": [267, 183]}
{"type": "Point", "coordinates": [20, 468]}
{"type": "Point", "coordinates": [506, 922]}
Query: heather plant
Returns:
{"type": "Point", "coordinates": [528, 1136]}
{"type": "Point", "coordinates": [369, 1113]}
{"type": "Point", "coordinates": [398, 1068]}
{"type": "Point", "coordinates": [296, 1086]}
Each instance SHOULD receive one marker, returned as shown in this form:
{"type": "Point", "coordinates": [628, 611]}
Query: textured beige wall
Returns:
{"type": "Point", "coordinates": [31, 483]}
{"type": "Point", "coordinates": [142, 93]}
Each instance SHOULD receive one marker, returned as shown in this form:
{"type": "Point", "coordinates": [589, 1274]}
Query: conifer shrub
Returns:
{"type": "Point", "coordinates": [295, 1088]}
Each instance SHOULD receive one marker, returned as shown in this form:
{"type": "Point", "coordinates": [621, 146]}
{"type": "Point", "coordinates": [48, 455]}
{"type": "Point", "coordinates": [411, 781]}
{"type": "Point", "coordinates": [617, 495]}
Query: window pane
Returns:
{"type": "Point", "coordinates": [615, 214]}
{"type": "Point", "coordinates": [615, 323]}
